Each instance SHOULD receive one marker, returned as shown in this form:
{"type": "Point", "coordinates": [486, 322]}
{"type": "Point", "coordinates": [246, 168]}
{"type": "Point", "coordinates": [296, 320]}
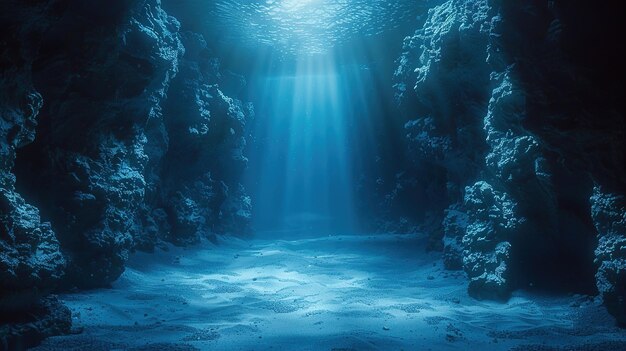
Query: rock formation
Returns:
{"type": "Point", "coordinates": [499, 97]}
{"type": "Point", "coordinates": [609, 215]}
{"type": "Point", "coordinates": [96, 102]}
{"type": "Point", "coordinates": [507, 99]}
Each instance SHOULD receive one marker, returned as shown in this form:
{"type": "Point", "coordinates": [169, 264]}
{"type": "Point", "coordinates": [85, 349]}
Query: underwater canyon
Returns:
{"type": "Point", "coordinates": [312, 175]}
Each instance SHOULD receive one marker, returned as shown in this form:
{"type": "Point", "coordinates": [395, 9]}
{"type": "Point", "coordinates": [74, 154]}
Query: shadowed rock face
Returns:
{"type": "Point", "coordinates": [31, 262]}
{"type": "Point", "coordinates": [84, 107]}
{"type": "Point", "coordinates": [205, 157]}
{"type": "Point", "coordinates": [609, 215]}
{"type": "Point", "coordinates": [101, 86]}
{"type": "Point", "coordinates": [107, 164]}
{"type": "Point", "coordinates": [523, 117]}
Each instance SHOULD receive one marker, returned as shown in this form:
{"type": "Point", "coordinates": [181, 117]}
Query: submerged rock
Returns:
{"type": "Point", "coordinates": [506, 101]}
{"type": "Point", "coordinates": [87, 163]}
{"type": "Point", "coordinates": [200, 177]}
{"type": "Point", "coordinates": [492, 225]}
{"type": "Point", "coordinates": [90, 138]}
{"type": "Point", "coordinates": [609, 215]}
{"type": "Point", "coordinates": [31, 262]}
{"type": "Point", "coordinates": [455, 224]}
{"type": "Point", "coordinates": [147, 165]}
{"type": "Point", "coordinates": [46, 317]}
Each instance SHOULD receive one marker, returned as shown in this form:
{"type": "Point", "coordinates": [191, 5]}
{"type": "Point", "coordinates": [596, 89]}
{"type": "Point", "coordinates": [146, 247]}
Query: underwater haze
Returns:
{"type": "Point", "coordinates": [312, 175]}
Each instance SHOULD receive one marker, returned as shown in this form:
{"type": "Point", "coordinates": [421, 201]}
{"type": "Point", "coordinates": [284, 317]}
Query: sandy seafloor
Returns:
{"type": "Point", "coordinates": [339, 293]}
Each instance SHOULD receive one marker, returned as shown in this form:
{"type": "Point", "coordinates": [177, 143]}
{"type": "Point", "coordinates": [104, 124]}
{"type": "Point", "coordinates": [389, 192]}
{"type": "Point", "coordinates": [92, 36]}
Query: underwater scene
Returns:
{"type": "Point", "coordinates": [334, 175]}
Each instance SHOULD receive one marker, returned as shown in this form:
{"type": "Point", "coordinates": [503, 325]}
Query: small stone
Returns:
{"type": "Point", "coordinates": [385, 328]}
{"type": "Point", "coordinates": [76, 330]}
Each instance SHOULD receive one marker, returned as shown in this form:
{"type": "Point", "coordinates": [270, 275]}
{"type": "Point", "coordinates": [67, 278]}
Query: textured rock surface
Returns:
{"type": "Point", "coordinates": [609, 215]}
{"type": "Point", "coordinates": [454, 224]}
{"type": "Point", "coordinates": [90, 137]}
{"type": "Point", "coordinates": [511, 104]}
{"type": "Point", "coordinates": [205, 158]}
{"type": "Point", "coordinates": [46, 317]}
{"type": "Point", "coordinates": [31, 262]}
{"type": "Point", "coordinates": [442, 131]}
{"type": "Point", "coordinates": [92, 181]}
{"type": "Point", "coordinates": [493, 223]}
{"type": "Point", "coordinates": [160, 148]}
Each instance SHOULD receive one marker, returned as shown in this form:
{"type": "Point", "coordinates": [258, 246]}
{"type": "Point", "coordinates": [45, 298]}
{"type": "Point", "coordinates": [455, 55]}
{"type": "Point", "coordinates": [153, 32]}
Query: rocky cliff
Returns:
{"type": "Point", "coordinates": [517, 104]}
{"type": "Point", "coordinates": [96, 102]}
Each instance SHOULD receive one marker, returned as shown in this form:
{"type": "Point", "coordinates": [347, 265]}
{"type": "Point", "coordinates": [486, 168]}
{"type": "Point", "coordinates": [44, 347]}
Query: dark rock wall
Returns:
{"type": "Point", "coordinates": [101, 85]}
{"type": "Point", "coordinates": [609, 215]}
{"type": "Point", "coordinates": [31, 262]}
{"type": "Point", "coordinates": [518, 103]}
{"type": "Point", "coordinates": [113, 125]}
{"type": "Point", "coordinates": [205, 158]}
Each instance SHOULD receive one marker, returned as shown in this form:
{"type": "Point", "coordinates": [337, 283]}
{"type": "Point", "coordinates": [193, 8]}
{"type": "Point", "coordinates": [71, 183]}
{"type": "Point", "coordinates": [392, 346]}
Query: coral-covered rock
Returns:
{"type": "Point", "coordinates": [236, 212]}
{"type": "Point", "coordinates": [609, 215]}
{"type": "Point", "coordinates": [493, 223]}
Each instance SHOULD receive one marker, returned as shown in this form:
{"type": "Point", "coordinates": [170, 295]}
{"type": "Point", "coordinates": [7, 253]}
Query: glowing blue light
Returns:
{"type": "Point", "coordinates": [305, 26]}
{"type": "Point", "coordinates": [305, 169]}
{"type": "Point", "coordinates": [312, 116]}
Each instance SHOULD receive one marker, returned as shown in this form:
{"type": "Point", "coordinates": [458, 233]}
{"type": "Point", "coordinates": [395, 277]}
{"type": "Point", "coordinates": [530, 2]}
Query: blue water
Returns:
{"type": "Point", "coordinates": [319, 106]}
{"type": "Point", "coordinates": [299, 27]}
{"type": "Point", "coordinates": [319, 73]}
{"type": "Point", "coordinates": [319, 76]}
{"type": "Point", "coordinates": [306, 155]}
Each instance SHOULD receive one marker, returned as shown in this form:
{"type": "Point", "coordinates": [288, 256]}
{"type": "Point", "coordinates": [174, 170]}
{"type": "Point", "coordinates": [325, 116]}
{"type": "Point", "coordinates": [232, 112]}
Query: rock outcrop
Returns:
{"type": "Point", "coordinates": [46, 317]}
{"type": "Point", "coordinates": [507, 101]}
{"type": "Point", "coordinates": [609, 215]}
{"type": "Point", "coordinates": [101, 86]}
{"type": "Point", "coordinates": [493, 223]}
{"type": "Point", "coordinates": [119, 136]}
{"type": "Point", "coordinates": [205, 156]}
{"type": "Point", "coordinates": [31, 262]}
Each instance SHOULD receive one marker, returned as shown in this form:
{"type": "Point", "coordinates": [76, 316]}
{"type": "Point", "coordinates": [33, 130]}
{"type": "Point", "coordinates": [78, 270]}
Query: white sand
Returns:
{"type": "Point", "coordinates": [331, 293]}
